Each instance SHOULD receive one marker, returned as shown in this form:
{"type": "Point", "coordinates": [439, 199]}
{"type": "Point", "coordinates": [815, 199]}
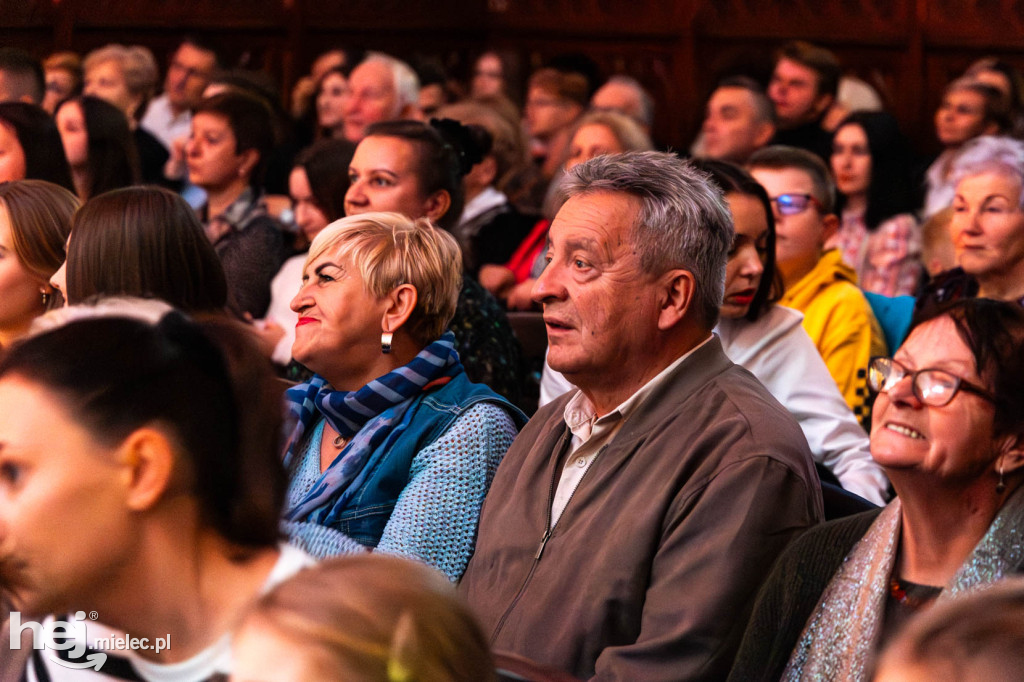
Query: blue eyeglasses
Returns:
{"type": "Point", "coordinates": [792, 204]}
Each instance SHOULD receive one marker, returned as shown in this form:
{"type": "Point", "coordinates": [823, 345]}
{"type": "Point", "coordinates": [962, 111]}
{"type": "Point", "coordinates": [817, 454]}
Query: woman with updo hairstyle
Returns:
{"type": "Point", "coordinates": [142, 242]}
{"type": "Point", "coordinates": [317, 186]}
{"type": "Point", "coordinates": [30, 146]}
{"type": "Point", "coordinates": [167, 479]}
{"type": "Point", "coordinates": [363, 619]}
{"type": "Point", "coordinates": [98, 144]}
{"type": "Point", "coordinates": [416, 169]}
{"type": "Point", "coordinates": [394, 447]}
{"type": "Point", "coordinates": [35, 219]}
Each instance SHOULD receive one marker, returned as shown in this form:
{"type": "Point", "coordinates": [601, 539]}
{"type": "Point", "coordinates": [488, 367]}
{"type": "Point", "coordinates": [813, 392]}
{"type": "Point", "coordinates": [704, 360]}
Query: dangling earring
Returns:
{"type": "Point", "coordinates": [385, 342]}
{"type": "Point", "coordinates": [46, 298]}
{"type": "Point", "coordinates": [1001, 485]}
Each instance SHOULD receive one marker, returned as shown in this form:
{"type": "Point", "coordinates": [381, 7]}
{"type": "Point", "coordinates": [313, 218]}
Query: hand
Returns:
{"type": "Point", "coordinates": [521, 296]}
{"type": "Point", "coordinates": [497, 279]}
{"type": "Point", "coordinates": [266, 332]}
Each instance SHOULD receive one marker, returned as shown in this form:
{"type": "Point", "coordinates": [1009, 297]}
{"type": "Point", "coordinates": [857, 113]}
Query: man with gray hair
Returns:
{"type": "Point", "coordinates": [632, 521]}
{"type": "Point", "coordinates": [625, 95]}
{"type": "Point", "coordinates": [381, 88]}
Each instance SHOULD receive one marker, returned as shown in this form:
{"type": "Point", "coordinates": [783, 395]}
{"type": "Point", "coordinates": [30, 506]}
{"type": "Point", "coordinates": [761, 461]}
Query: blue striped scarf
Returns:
{"type": "Point", "coordinates": [367, 417]}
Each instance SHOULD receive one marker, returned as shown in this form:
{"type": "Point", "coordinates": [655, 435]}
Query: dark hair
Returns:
{"type": "Point", "coordinates": [819, 60]}
{"type": "Point", "coordinates": [326, 165]}
{"type": "Point", "coordinates": [114, 375]}
{"type": "Point", "coordinates": [994, 331]}
{"type": "Point", "coordinates": [445, 151]}
{"type": "Point", "coordinates": [730, 178]}
{"type": "Point", "coordinates": [113, 161]}
{"type": "Point", "coordinates": [206, 44]}
{"type": "Point", "coordinates": [779, 157]}
{"type": "Point", "coordinates": [763, 107]}
{"type": "Point", "coordinates": [40, 214]}
{"type": "Point", "coordinates": [251, 122]}
{"type": "Point", "coordinates": [144, 241]}
{"type": "Point", "coordinates": [891, 191]}
{"type": "Point", "coordinates": [40, 142]}
{"type": "Point", "coordinates": [26, 71]}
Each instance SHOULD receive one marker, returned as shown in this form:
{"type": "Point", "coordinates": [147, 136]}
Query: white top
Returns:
{"type": "Point", "coordinates": [163, 123]}
{"type": "Point", "coordinates": [487, 199]}
{"type": "Point", "coordinates": [211, 661]}
{"type": "Point", "coordinates": [590, 433]}
{"type": "Point", "coordinates": [283, 288]}
{"type": "Point", "coordinates": [776, 349]}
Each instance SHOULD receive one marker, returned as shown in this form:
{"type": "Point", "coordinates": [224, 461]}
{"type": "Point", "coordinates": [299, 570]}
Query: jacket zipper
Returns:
{"type": "Point", "coordinates": [544, 538]}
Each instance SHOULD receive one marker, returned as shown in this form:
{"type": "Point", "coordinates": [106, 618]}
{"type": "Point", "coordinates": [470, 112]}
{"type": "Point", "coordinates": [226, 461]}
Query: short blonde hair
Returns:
{"type": "Point", "coordinates": [136, 62]}
{"type": "Point", "coordinates": [376, 617]}
{"type": "Point", "coordinates": [389, 250]}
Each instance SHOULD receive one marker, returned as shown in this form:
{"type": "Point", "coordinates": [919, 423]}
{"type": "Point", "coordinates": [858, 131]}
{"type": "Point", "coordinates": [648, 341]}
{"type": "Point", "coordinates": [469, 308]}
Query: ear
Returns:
{"type": "Point", "coordinates": [1011, 453]}
{"type": "Point", "coordinates": [678, 291]}
{"type": "Point", "coordinates": [400, 304]}
{"type": "Point", "coordinates": [484, 173]}
{"type": "Point", "coordinates": [250, 157]}
{"type": "Point", "coordinates": [437, 204]}
{"type": "Point", "coordinates": [765, 132]}
{"type": "Point", "coordinates": [829, 227]}
{"type": "Point", "coordinates": [148, 457]}
{"type": "Point", "coordinates": [821, 103]}
{"type": "Point", "coordinates": [411, 112]}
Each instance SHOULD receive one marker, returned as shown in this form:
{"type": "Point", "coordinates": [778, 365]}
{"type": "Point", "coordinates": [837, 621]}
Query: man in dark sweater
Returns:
{"type": "Point", "coordinates": [804, 85]}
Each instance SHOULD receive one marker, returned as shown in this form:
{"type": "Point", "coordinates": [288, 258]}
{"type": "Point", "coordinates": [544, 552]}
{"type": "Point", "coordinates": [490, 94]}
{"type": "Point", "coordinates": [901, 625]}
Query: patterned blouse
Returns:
{"type": "Point", "coordinates": [887, 259]}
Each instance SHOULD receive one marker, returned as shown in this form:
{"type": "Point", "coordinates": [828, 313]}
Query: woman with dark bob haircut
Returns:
{"type": "Point", "coordinates": [146, 242]}
{"type": "Point", "coordinates": [948, 429]}
{"type": "Point", "coordinates": [165, 476]}
{"type": "Point", "coordinates": [36, 150]}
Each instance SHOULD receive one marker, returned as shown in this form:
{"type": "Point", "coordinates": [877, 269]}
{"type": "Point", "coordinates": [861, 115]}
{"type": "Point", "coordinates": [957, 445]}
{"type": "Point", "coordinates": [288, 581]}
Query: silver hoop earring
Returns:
{"type": "Point", "coordinates": [1001, 485]}
{"type": "Point", "coordinates": [385, 342]}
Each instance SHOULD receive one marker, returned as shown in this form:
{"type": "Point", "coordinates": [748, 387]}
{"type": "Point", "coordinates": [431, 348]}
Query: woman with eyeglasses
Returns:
{"type": "Point", "coordinates": [948, 429]}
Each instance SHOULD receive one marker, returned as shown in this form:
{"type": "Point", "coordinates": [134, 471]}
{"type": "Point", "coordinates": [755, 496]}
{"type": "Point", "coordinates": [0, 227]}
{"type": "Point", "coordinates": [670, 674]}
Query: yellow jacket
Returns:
{"type": "Point", "coordinates": [839, 320]}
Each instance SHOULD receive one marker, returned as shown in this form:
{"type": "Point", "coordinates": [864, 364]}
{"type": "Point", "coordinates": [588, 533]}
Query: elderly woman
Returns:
{"type": "Point", "coordinates": [368, 617]}
{"type": "Point", "coordinates": [35, 219]}
{"type": "Point", "coordinates": [987, 225]}
{"type": "Point", "coordinates": [394, 447]}
{"type": "Point", "coordinates": [126, 76]}
{"type": "Point", "coordinates": [948, 429]}
{"type": "Point", "coordinates": [168, 437]}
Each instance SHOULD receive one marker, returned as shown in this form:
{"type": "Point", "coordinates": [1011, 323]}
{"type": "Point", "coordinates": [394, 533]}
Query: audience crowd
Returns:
{"type": "Point", "coordinates": [406, 378]}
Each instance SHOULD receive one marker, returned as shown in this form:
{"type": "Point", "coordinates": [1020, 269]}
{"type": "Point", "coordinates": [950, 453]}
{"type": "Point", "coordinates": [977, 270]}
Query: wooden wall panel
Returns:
{"type": "Point", "coordinates": [677, 48]}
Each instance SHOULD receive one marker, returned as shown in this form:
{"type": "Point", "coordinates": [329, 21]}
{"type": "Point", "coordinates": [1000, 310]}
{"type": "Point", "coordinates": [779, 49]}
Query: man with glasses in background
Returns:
{"type": "Point", "coordinates": [169, 116]}
{"type": "Point", "coordinates": [816, 281]}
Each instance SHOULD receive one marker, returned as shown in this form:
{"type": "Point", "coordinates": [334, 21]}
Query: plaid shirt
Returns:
{"type": "Point", "coordinates": [887, 259]}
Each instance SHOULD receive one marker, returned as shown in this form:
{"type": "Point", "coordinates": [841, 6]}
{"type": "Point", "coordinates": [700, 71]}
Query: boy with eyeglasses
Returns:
{"type": "Point", "coordinates": [816, 281]}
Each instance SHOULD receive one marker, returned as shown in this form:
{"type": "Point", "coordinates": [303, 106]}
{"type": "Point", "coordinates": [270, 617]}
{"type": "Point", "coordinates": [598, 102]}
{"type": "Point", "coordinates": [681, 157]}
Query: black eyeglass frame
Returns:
{"type": "Point", "coordinates": [959, 383]}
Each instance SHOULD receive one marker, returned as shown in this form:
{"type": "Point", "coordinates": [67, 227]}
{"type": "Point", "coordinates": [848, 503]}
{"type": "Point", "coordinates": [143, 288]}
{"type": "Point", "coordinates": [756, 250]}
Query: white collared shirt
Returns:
{"type": "Point", "coordinates": [590, 433]}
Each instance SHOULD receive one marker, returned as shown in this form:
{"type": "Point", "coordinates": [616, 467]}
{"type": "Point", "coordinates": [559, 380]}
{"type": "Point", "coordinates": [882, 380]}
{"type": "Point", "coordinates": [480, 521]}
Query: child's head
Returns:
{"type": "Point", "coordinates": [937, 251]}
{"type": "Point", "coordinates": [803, 198]}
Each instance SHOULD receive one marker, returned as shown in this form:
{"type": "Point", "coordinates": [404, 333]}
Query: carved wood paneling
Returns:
{"type": "Point", "coordinates": [677, 48]}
